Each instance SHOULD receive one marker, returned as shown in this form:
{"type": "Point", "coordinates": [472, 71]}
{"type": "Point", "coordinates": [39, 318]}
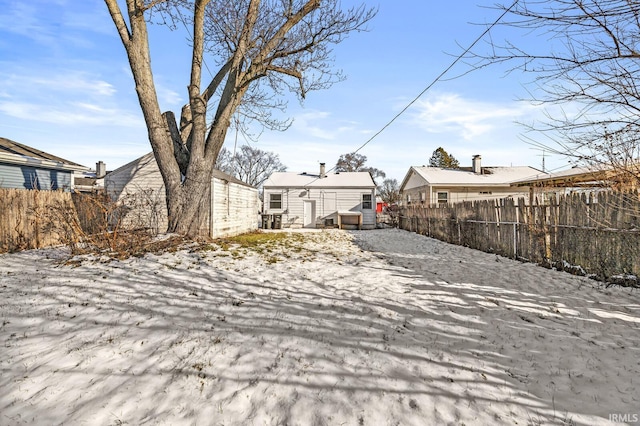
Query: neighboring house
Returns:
{"type": "Point", "coordinates": [344, 199]}
{"type": "Point", "coordinates": [138, 185]}
{"type": "Point", "coordinates": [28, 168]}
{"type": "Point", "coordinates": [93, 181]}
{"type": "Point", "coordinates": [380, 205]}
{"type": "Point", "coordinates": [435, 185]}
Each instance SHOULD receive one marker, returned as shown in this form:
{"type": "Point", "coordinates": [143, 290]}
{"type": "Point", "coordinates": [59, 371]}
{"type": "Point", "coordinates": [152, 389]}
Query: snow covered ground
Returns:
{"type": "Point", "coordinates": [380, 327]}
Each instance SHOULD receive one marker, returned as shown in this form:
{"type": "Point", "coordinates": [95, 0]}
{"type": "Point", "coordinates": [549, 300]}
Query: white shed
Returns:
{"type": "Point", "coordinates": [139, 186]}
{"type": "Point", "coordinates": [345, 199]}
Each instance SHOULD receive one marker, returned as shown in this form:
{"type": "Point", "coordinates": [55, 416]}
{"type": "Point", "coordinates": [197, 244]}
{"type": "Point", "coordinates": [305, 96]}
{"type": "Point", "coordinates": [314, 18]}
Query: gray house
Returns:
{"type": "Point", "coordinates": [138, 186]}
{"type": "Point", "coordinates": [24, 167]}
{"type": "Point", "coordinates": [303, 200]}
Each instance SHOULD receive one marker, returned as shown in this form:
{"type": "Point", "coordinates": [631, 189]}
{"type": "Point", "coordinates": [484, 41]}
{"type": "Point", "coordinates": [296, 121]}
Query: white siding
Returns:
{"type": "Point", "coordinates": [234, 209]}
{"type": "Point", "coordinates": [458, 194]}
{"type": "Point", "coordinates": [139, 186]}
{"type": "Point", "coordinates": [414, 181]}
{"type": "Point", "coordinates": [327, 203]}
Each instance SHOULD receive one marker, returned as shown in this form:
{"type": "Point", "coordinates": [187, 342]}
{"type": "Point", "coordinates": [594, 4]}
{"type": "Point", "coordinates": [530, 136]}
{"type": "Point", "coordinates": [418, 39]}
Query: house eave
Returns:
{"type": "Point", "coordinates": [23, 160]}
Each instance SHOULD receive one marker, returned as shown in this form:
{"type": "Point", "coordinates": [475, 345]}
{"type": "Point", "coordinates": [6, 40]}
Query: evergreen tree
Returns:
{"type": "Point", "coordinates": [441, 158]}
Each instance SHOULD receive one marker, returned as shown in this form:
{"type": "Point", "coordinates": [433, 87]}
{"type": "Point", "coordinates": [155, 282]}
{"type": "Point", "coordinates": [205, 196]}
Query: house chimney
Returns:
{"type": "Point", "coordinates": [322, 170]}
{"type": "Point", "coordinates": [476, 164]}
{"type": "Point", "coordinates": [101, 169]}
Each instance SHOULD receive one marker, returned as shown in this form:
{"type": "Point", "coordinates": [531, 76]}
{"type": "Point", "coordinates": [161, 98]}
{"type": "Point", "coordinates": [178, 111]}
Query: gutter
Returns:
{"type": "Point", "coordinates": [23, 160]}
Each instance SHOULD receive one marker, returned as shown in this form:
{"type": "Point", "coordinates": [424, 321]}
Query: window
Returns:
{"type": "Point", "coordinates": [443, 197]}
{"type": "Point", "coordinates": [275, 201]}
{"type": "Point", "coordinates": [366, 201]}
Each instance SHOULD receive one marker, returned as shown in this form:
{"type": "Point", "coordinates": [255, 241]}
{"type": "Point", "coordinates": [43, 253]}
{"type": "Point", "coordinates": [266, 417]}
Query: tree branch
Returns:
{"type": "Point", "coordinates": [118, 20]}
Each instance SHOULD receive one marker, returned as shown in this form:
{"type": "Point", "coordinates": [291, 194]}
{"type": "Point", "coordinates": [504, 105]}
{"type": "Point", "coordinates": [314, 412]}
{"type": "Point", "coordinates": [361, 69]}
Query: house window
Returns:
{"type": "Point", "coordinates": [275, 201]}
{"type": "Point", "coordinates": [485, 193]}
{"type": "Point", "coordinates": [443, 197]}
{"type": "Point", "coordinates": [408, 199]}
{"type": "Point", "coordinates": [366, 201]}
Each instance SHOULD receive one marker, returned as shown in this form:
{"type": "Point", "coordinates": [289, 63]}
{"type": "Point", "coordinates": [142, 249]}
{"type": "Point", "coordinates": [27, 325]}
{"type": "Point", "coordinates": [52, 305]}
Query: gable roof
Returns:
{"type": "Point", "coordinates": [17, 153]}
{"type": "Point", "coordinates": [150, 159]}
{"type": "Point", "coordinates": [491, 176]}
{"type": "Point", "coordinates": [333, 180]}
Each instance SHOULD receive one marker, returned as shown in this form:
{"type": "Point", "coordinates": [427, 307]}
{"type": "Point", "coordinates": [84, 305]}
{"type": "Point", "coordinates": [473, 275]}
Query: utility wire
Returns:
{"type": "Point", "coordinates": [438, 78]}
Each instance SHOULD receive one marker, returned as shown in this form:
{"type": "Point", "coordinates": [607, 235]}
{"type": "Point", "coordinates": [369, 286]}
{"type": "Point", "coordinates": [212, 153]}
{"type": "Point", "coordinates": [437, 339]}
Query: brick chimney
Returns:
{"type": "Point", "coordinates": [101, 169]}
{"type": "Point", "coordinates": [322, 170]}
{"type": "Point", "coordinates": [476, 164]}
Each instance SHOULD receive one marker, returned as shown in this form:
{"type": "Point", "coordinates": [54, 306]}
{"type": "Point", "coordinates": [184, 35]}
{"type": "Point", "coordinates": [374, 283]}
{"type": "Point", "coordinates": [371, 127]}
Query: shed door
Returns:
{"type": "Point", "coordinates": [309, 214]}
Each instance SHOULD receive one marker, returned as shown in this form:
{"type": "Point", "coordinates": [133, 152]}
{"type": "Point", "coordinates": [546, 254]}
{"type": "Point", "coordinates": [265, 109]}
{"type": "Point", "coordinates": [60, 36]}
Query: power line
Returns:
{"type": "Point", "coordinates": [439, 77]}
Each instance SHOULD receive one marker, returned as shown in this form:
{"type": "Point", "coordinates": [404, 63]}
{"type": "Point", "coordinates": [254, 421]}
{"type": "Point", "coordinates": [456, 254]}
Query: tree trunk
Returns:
{"type": "Point", "coordinates": [189, 209]}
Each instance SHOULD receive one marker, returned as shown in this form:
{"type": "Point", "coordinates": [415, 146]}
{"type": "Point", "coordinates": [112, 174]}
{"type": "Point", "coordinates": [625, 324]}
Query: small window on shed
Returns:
{"type": "Point", "coordinates": [443, 197]}
{"type": "Point", "coordinates": [366, 201]}
{"type": "Point", "coordinates": [275, 201]}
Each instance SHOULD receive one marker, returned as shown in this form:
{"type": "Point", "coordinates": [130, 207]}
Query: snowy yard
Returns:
{"type": "Point", "coordinates": [380, 327]}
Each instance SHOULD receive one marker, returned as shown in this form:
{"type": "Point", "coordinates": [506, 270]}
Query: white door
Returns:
{"type": "Point", "coordinates": [309, 214]}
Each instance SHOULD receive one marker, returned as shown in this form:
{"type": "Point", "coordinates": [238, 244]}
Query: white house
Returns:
{"type": "Point", "coordinates": [139, 186]}
{"type": "Point", "coordinates": [343, 199]}
{"type": "Point", "coordinates": [436, 185]}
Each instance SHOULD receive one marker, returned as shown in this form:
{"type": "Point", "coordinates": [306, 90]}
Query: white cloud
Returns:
{"type": "Point", "coordinates": [321, 125]}
{"type": "Point", "coordinates": [169, 97]}
{"type": "Point", "coordinates": [74, 113]}
{"type": "Point", "coordinates": [69, 82]}
{"type": "Point", "coordinates": [41, 21]}
{"type": "Point", "coordinates": [21, 18]}
{"type": "Point", "coordinates": [468, 118]}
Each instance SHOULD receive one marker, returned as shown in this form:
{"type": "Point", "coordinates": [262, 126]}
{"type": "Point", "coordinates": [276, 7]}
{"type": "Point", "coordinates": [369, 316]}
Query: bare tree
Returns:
{"type": "Point", "coordinates": [389, 191]}
{"type": "Point", "coordinates": [260, 47]}
{"type": "Point", "coordinates": [250, 165]}
{"type": "Point", "coordinates": [354, 162]}
{"type": "Point", "coordinates": [588, 68]}
{"type": "Point", "coordinates": [224, 161]}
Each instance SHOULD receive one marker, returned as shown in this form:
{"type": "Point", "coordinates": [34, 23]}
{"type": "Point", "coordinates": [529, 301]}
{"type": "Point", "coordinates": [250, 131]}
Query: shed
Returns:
{"type": "Point", "coordinates": [24, 167]}
{"type": "Point", "coordinates": [138, 185]}
{"type": "Point", "coordinates": [344, 199]}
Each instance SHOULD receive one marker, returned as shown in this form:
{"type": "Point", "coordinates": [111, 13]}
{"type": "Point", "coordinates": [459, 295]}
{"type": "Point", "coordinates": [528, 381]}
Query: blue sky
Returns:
{"type": "Point", "coordinates": [65, 88]}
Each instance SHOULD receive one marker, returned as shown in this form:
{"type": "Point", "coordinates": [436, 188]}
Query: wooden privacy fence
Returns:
{"type": "Point", "coordinates": [32, 219]}
{"type": "Point", "coordinates": [596, 234]}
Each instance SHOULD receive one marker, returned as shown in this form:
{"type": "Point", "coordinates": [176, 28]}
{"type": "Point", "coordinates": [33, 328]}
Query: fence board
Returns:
{"type": "Point", "coordinates": [595, 233]}
{"type": "Point", "coordinates": [25, 222]}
